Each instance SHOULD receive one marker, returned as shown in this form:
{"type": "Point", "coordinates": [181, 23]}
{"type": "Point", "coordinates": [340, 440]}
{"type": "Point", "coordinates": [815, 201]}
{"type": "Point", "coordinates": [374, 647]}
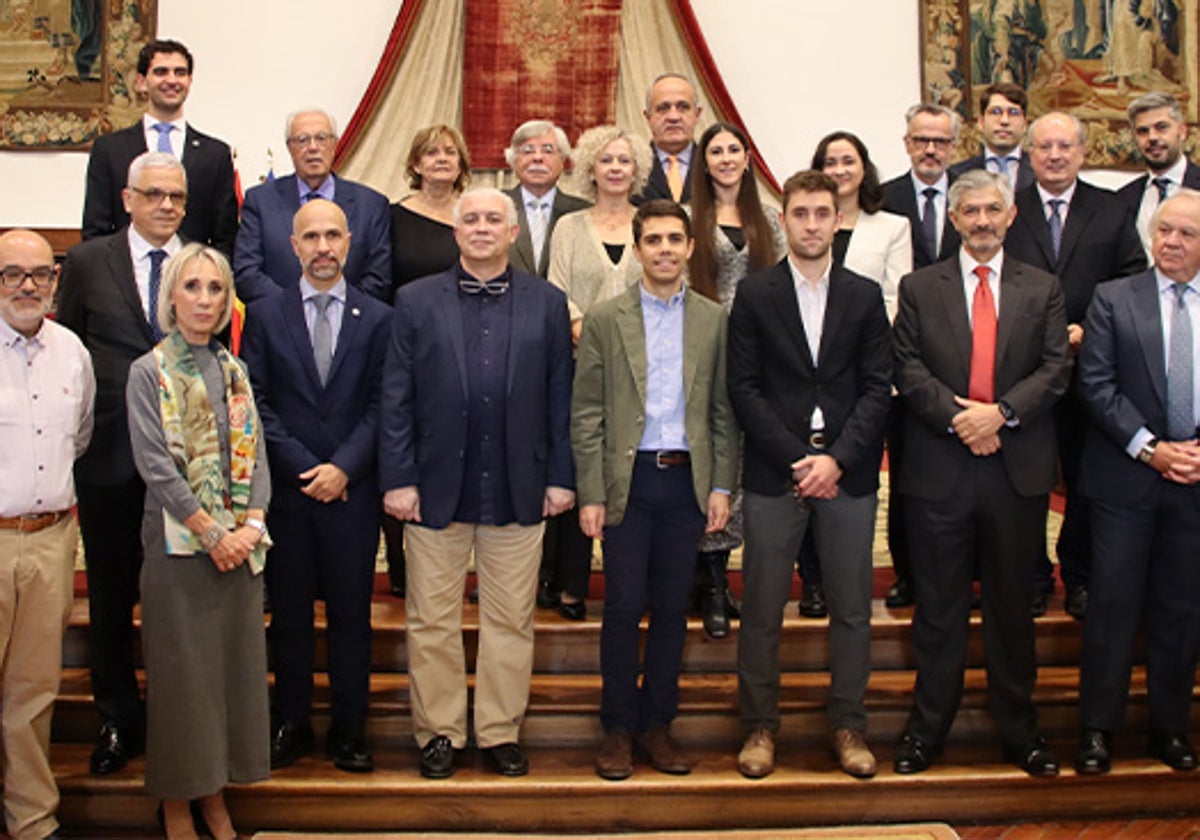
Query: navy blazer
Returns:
{"type": "Point", "coordinates": [264, 261]}
{"type": "Point", "coordinates": [212, 212]}
{"type": "Point", "coordinates": [1131, 194]}
{"type": "Point", "coordinates": [899, 198]}
{"type": "Point", "coordinates": [423, 431]}
{"type": "Point", "coordinates": [1025, 175]}
{"type": "Point", "coordinates": [305, 423]}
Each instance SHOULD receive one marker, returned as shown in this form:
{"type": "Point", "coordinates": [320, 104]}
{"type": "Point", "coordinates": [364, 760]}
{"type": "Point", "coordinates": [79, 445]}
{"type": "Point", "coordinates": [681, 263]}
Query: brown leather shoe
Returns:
{"type": "Point", "coordinates": [615, 759]}
{"type": "Point", "coordinates": [853, 754]}
{"type": "Point", "coordinates": [757, 758]}
{"type": "Point", "coordinates": [664, 754]}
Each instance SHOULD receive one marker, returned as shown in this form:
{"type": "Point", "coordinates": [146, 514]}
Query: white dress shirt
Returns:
{"type": "Point", "coordinates": [139, 252]}
{"type": "Point", "coordinates": [178, 134]}
{"type": "Point", "coordinates": [812, 298]}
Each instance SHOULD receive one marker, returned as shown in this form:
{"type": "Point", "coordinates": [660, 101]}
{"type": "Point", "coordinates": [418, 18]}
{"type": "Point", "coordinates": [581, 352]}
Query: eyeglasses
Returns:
{"type": "Point", "coordinates": [1059, 146]}
{"type": "Point", "coordinates": [938, 142]}
{"type": "Point", "coordinates": [14, 276]}
{"type": "Point", "coordinates": [1013, 111]}
{"type": "Point", "coordinates": [321, 138]}
{"type": "Point", "coordinates": [531, 149]}
{"type": "Point", "coordinates": [154, 195]}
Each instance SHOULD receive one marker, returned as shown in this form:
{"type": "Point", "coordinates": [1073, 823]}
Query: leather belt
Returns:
{"type": "Point", "coordinates": [664, 458]}
{"type": "Point", "coordinates": [33, 522]}
{"type": "Point", "coordinates": [817, 440]}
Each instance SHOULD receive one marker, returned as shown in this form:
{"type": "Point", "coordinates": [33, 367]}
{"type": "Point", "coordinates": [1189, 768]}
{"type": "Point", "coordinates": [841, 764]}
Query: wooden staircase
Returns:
{"type": "Point", "coordinates": [562, 793]}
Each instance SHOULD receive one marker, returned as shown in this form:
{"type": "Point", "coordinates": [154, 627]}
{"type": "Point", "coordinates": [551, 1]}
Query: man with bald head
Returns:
{"type": "Point", "coordinates": [46, 376]}
{"type": "Point", "coordinates": [672, 114]}
{"type": "Point", "coordinates": [315, 354]}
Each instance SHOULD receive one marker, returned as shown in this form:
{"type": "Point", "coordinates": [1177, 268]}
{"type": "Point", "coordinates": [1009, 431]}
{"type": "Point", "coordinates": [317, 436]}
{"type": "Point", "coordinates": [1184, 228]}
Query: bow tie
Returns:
{"type": "Point", "coordinates": [471, 286]}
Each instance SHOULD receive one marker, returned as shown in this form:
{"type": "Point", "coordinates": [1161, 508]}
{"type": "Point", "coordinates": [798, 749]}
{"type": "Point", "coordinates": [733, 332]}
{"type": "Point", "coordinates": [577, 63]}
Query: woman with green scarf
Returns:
{"type": "Point", "coordinates": [197, 442]}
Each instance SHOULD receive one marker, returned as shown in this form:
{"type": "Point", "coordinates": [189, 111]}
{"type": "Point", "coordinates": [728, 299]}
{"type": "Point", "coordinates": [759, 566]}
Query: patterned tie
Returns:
{"type": "Point", "coordinates": [929, 221]}
{"type": "Point", "coordinates": [1056, 224]}
{"type": "Point", "coordinates": [157, 257]}
{"type": "Point", "coordinates": [983, 340]}
{"type": "Point", "coordinates": [674, 177]}
{"type": "Point", "coordinates": [164, 136]}
{"type": "Point", "coordinates": [537, 227]}
{"type": "Point", "coordinates": [1162, 184]}
{"type": "Point", "coordinates": [1181, 418]}
{"type": "Point", "coordinates": [322, 337]}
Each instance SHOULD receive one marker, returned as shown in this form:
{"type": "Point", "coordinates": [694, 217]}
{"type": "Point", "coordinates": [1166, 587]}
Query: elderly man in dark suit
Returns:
{"type": "Point", "coordinates": [981, 358]}
{"type": "Point", "coordinates": [264, 262]}
{"type": "Point", "coordinates": [474, 450]}
{"type": "Point", "coordinates": [109, 296]}
{"type": "Point", "coordinates": [671, 114]}
{"type": "Point", "coordinates": [1002, 122]}
{"type": "Point", "coordinates": [1083, 235]}
{"type": "Point", "coordinates": [1139, 374]}
{"type": "Point", "coordinates": [315, 355]}
{"type": "Point", "coordinates": [164, 76]}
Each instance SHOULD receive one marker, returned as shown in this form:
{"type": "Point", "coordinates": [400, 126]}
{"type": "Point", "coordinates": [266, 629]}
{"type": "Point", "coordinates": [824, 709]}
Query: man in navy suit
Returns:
{"type": "Point", "coordinates": [475, 451]}
{"type": "Point", "coordinates": [264, 260]}
{"type": "Point", "coordinates": [1138, 374]}
{"type": "Point", "coordinates": [672, 114]}
{"type": "Point", "coordinates": [315, 355]}
{"type": "Point", "coordinates": [1002, 122]}
{"type": "Point", "coordinates": [164, 76]}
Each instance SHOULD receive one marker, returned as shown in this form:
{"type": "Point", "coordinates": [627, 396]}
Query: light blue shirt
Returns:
{"type": "Point", "coordinates": [324, 191]}
{"type": "Point", "coordinates": [333, 313]}
{"type": "Point", "coordinates": [665, 400]}
{"type": "Point", "coordinates": [684, 158]}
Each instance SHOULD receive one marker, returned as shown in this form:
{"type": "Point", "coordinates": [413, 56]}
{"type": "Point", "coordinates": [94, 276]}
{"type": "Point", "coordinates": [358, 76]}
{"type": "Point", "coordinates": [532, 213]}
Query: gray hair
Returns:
{"type": "Point", "coordinates": [510, 209]}
{"type": "Point", "coordinates": [659, 78]}
{"type": "Point", "coordinates": [536, 128]}
{"type": "Point", "coordinates": [287, 124]}
{"type": "Point", "coordinates": [934, 111]}
{"type": "Point", "coordinates": [154, 160]}
{"type": "Point", "coordinates": [188, 254]}
{"type": "Point", "coordinates": [592, 142]}
{"type": "Point", "coordinates": [1185, 193]}
{"type": "Point", "coordinates": [1152, 102]}
{"type": "Point", "coordinates": [1080, 128]}
{"type": "Point", "coordinates": [979, 179]}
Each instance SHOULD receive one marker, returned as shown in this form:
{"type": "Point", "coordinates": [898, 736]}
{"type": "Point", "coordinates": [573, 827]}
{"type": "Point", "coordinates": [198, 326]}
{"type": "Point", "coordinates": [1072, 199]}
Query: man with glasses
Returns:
{"type": "Point", "coordinates": [164, 76]}
{"type": "Point", "coordinates": [264, 260]}
{"type": "Point", "coordinates": [46, 377]}
{"type": "Point", "coordinates": [1083, 235]}
{"type": "Point", "coordinates": [109, 297]}
{"type": "Point", "coordinates": [1002, 123]}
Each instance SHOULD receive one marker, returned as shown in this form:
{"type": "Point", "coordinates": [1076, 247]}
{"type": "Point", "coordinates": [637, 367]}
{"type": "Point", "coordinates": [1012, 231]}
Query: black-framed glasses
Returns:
{"type": "Point", "coordinates": [154, 195]}
{"type": "Point", "coordinates": [14, 276]}
{"type": "Point", "coordinates": [936, 142]}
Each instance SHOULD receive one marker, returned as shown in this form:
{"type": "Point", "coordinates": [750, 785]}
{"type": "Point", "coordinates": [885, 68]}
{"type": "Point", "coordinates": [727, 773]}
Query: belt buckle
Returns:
{"type": "Point", "coordinates": [658, 460]}
{"type": "Point", "coordinates": [817, 440]}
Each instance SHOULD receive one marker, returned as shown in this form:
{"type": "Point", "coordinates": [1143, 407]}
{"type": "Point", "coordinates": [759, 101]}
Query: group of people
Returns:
{"type": "Point", "coordinates": [658, 362]}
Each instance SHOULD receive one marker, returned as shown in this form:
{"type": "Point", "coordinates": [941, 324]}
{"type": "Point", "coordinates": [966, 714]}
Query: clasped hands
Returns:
{"type": "Point", "coordinates": [1177, 460]}
{"type": "Point", "coordinates": [816, 477]}
{"type": "Point", "coordinates": [978, 426]}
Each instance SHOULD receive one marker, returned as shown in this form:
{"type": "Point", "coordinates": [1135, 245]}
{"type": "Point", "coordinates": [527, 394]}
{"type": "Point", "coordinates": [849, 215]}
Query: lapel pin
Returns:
{"type": "Point", "coordinates": [195, 144]}
{"type": "Point", "coordinates": [355, 312]}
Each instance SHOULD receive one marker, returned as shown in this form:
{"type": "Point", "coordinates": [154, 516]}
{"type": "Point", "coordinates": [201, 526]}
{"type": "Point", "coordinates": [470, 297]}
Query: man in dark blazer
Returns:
{"type": "Point", "coordinates": [1002, 122]}
{"type": "Point", "coordinates": [474, 450]}
{"type": "Point", "coordinates": [1156, 120]}
{"type": "Point", "coordinates": [671, 114]}
{"type": "Point", "coordinates": [1141, 468]}
{"type": "Point", "coordinates": [810, 377]}
{"type": "Point", "coordinates": [107, 296]}
{"type": "Point", "coordinates": [1097, 241]}
{"type": "Point", "coordinates": [264, 262]}
{"type": "Point", "coordinates": [930, 136]}
{"type": "Point", "coordinates": [317, 389]}
{"type": "Point", "coordinates": [164, 76]}
{"type": "Point", "coordinates": [981, 358]}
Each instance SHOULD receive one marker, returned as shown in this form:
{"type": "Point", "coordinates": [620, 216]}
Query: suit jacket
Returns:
{"type": "Point", "coordinates": [307, 423]}
{"type": "Point", "coordinates": [1025, 175]}
{"type": "Point", "coordinates": [880, 249]}
{"type": "Point", "coordinates": [264, 261]}
{"type": "Point", "coordinates": [1123, 384]}
{"type": "Point", "coordinates": [775, 384]}
{"type": "Point", "coordinates": [423, 430]}
{"type": "Point", "coordinates": [1099, 242]}
{"type": "Point", "coordinates": [899, 198]}
{"type": "Point", "coordinates": [932, 338]}
{"type": "Point", "coordinates": [98, 300]}
{"type": "Point", "coordinates": [610, 380]}
{"type": "Point", "coordinates": [1131, 194]}
{"type": "Point", "coordinates": [212, 212]}
{"type": "Point", "coordinates": [657, 187]}
{"type": "Point", "coordinates": [521, 255]}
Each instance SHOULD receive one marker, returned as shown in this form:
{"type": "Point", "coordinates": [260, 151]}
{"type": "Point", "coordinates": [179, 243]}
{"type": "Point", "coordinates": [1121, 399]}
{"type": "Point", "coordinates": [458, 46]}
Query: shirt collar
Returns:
{"type": "Point", "coordinates": [800, 280]}
{"type": "Point", "coordinates": [684, 157]}
{"type": "Point", "coordinates": [1065, 196]}
{"type": "Point", "coordinates": [548, 199]}
{"type": "Point", "coordinates": [148, 123]}
{"type": "Point", "coordinates": [9, 337]}
{"type": "Point", "coordinates": [1165, 283]}
{"type": "Point", "coordinates": [338, 292]}
{"type": "Point", "coordinates": [140, 247]}
{"type": "Point", "coordinates": [941, 184]}
{"type": "Point", "coordinates": [1174, 174]}
{"type": "Point", "coordinates": [657, 302]}
{"type": "Point", "coordinates": [969, 263]}
{"type": "Point", "coordinates": [1015, 154]}
{"type": "Point", "coordinates": [325, 191]}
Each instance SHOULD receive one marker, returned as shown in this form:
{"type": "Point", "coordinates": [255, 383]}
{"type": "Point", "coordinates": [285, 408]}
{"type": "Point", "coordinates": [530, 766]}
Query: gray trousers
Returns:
{"type": "Point", "coordinates": [844, 531]}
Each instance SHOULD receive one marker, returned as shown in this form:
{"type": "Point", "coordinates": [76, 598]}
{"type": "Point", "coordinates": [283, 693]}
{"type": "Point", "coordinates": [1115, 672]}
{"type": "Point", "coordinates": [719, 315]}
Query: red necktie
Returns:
{"type": "Point", "coordinates": [983, 340]}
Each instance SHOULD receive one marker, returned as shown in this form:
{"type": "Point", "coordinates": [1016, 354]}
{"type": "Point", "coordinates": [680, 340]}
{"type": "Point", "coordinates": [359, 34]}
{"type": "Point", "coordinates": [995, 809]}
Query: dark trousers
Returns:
{"type": "Point", "coordinates": [897, 527]}
{"type": "Point", "coordinates": [983, 521]}
{"type": "Point", "coordinates": [393, 540]}
{"type": "Point", "coordinates": [110, 520]}
{"type": "Point", "coordinates": [1146, 560]}
{"type": "Point", "coordinates": [1074, 546]}
{"type": "Point", "coordinates": [566, 555]}
{"type": "Point", "coordinates": [648, 564]}
{"type": "Point", "coordinates": [322, 549]}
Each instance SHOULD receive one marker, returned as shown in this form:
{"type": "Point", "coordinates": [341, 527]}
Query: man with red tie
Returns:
{"type": "Point", "coordinates": [981, 359]}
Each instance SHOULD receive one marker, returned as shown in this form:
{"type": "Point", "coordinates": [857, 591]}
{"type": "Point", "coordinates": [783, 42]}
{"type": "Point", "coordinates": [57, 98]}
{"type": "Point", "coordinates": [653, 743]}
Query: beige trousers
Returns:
{"type": "Point", "coordinates": [36, 590]}
{"type": "Point", "coordinates": [506, 563]}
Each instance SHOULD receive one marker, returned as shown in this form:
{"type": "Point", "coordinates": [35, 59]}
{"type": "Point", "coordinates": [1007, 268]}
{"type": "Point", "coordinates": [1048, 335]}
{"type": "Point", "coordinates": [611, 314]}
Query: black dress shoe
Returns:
{"type": "Point", "coordinates": [712, 611]}
{"type": "Point", "coordinates": [547, 598]}
{"type": "Point", "coordinates": [1037, 607]}
{"type": "Point", "coordinates": [812, 601]}
{"type": "Point", "coordinates": [290, 740]}
{"type": "Point", "coordinates": [913, 755]}
{"type": "Point", "coordinates": [437, 758]}
{"type": "Point", "coordinates": [1094, 755]}
{"type": "Point", "coordinates": [576, 611]}
{"type": "Point", "coordinates": [1076, 602]}
{"type": "Point", "coordinates": [347, 746]}
{"type": "Point", "coordinates": [507, 759]}
{"type": "Point", "coordinates": [1173, 750]}
{"type": "Point", "coordinates": [1035, 759]}
{"type": "Point", "coordinates": [115, 746]}
{"type": "Point", "coordinates": [900, 595]}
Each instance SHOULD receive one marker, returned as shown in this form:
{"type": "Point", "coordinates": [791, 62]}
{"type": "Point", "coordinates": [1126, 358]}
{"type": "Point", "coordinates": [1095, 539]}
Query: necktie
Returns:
{"type": "Point", "coordinates": [157, 256]}
{"type": "Point", "coordinates": [309, 196]}
{"type": "Point", "coordinates": [1181, 419]}
{"type": "Point", "coordinates": [929, 221]}
{"type": "Point", "coordinates": [537, 228]}
{"type": "Point", "coordinates": [164, 136]}
{"type": "Point", "coordinates": [1162, 184]}
{"type": "Point", "coordinates": [674, 177]}
{"type": "Point", "coordinates": [1056, 224]}
{"type": "Point", "coordinates": [322, 337]}
{"type": "Point", "coordinates": [983, 340]}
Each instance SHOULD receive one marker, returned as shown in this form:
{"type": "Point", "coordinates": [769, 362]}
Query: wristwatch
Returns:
{"type": "Point", "coordinates": [257, 525]}
{"type": "Point", "coordinates": [1146, 455]}
{"type": "Point", "coordinates": [1006, 411]}
{"type": "Point", "coordinates": [212, 535]}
